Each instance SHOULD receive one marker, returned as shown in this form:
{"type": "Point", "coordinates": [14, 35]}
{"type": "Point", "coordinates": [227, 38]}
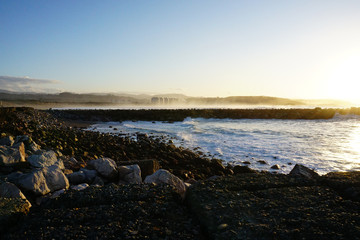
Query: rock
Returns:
{"type": "Point", "coordinates": [163, 176]}
{"type": "Point", "coordinates": [262, 162]}
{"type": "Point", "coordinates": [45, 159]}
{"type": "Point", "coordinates": [57, 193]}
{"type": "Point", "coordinates": [11, 212]}
{"type": "Point", "coordinates": [34, 182]}
{"type": "Point", "coordinates": [247, 162]}
{"type": "Point", "coordinates": [80, 187]}
{"type": "Point", "coordinates": [22, 138]}
{"type": "Point", "coordinates": [82, 176]}
{"type": "Point", "coordinates": [302, 171]}
{"type": "Point", "coordinates": [9, 190]}
{"type": "Point", "coordinates": [105, 166]}
{"type": "Point", "coordinates": [147, 167]}
{"type": "Point", "coordinates": [12, 155]}
{"type": "Point", "coordinates": [130, 174]}
{"type": "Point", "coordinates": [243, 169]}
{"type": "Point", "coordinates": [76, 177]}
{"type": "Point", "coordinates": [275, 167]}
{"type": "Point", "coordinates": [7, 141]}
{"type": "Point", "coordinates": [55, 178]}
{"type": "Point", "coordinates": [217, 164]}
{"type": "Point", "coordinates": [98, 181]}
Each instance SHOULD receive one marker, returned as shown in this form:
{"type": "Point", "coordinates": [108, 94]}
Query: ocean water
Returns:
{"type": "Point", "coordinates": [324, 145]}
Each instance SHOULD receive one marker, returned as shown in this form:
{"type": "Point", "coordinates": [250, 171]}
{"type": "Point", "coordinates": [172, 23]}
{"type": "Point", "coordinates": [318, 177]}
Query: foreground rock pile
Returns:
{"type": "Point", "coordinates": [46, 193]}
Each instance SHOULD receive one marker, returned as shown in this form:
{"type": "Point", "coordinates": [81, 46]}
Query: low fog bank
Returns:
{"type": "Point", "coordinates": [143, 101]}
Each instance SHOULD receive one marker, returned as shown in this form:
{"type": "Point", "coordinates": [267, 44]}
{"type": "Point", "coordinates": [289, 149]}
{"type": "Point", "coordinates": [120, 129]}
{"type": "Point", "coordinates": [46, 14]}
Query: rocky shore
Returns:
{"type": "Point", "coordinates": [60, 182]}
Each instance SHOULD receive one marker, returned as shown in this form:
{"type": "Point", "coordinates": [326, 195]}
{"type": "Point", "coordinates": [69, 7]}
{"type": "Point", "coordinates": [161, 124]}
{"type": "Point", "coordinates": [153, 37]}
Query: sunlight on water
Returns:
{"type": "Point", "coordinates": [325, 145]}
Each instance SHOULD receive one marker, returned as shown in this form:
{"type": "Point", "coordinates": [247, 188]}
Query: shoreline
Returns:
{"type": "Point", "coordinates": [203, 200]}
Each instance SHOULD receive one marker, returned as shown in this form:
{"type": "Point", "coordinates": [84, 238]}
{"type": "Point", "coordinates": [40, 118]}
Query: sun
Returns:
{"type": "Point", "coordinates": [344, 81]}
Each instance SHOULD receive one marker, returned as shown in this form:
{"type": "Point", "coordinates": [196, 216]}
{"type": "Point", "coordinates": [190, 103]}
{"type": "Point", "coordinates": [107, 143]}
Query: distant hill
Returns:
{"type": "Point", "coordinates": [118, 99]}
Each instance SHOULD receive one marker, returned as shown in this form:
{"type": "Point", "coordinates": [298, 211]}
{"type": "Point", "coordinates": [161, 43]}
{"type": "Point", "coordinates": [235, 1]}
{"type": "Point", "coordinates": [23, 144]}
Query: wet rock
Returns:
{"type": "Point", "coordinates": [242, 169]}
{"type": "Point", "coordinates": [55, 178]}
{"type": "Point", "coordinates": [105, 166]}
{"type": "Point", "coordinates": [163, 176]}
{"type": "Point", "coordinates": [247, 162]}
{"type": "Point", "coordinates": [275, 167]}
{"type": "Point", "coordinates": [80, 187]}
{"type": "Point", "coordinates": [130, 174]}
{"type": "Point", "coordinates": [262, 162]}
{"type": "Point", "coordinates": [302, 171]}
{"type": "Point", "coordinates": [217, 164]}
{"type": "Point", "coordinates": [7, 141]}
{"type": "Point", "coordinates": [45, 159]}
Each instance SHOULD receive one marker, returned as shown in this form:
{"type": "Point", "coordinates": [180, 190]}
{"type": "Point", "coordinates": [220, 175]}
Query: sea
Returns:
{"type": "Point", "coordinates": [322, 145]}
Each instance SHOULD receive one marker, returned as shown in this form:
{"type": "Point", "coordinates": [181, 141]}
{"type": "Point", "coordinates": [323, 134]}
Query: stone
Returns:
{"type": "Point", "coordinates": [10, 190]}
{"type": "Point", "coordinates": [11, 212]}
{"type": "Point", "coordinates": [34, 182]}
{"type": "Point", "coordinates": [262, 162]}
{"type": "Point", "coordinates": [98, 181]}
{"type": "Point", "coordinates": [55, 178]}
{"type": "Point", "coordinates": [130, 174]}
{"type": "Point", "coordinates": [12, 155]}
{"type": "Point", "coordinates": [275, 167]}
{"type": "Point", "coordinates": [302, 171]}
{"type": "Point", "coordinates": [44, 159]}
{"type": "Point", "coordinates": [217, 164]}
{"type": "Point", "coordinates": [57, 193]}
{"type": "Point", "coordinates": [76, 177]}
{"type": "Point", "coordinates": [82, 176]}
{"type": "Point", "coordinates": [163, 176]}
{"type": "Point", "coordinates": [33, 147]}
{"type": "Point", "coordinates": [105, 166]}
{"type": "Point", "coordinates": [147, 167]}
{"type": "Point", "coordinates": [242, 169]}
{"type": "Point", "coordinates": [22, 138]}
{"type": "Point", "coordinates": [7, 141]}
{"type": "Point", "coordinates": [80, 187]}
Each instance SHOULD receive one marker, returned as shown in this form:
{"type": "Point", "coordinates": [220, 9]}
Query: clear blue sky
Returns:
{"type": "Point", "coordinates": [296, 49]}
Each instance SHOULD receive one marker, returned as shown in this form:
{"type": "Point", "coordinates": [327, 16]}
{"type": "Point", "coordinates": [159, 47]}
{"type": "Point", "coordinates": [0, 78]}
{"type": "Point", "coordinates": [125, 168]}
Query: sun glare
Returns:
{"type": "Point", "coordinates": [344, 82]}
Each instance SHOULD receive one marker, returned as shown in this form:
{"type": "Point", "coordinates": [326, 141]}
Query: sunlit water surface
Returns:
{"type": "Point", "coordinates": [324, 145]}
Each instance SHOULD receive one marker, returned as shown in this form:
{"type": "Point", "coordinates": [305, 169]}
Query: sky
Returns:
{"type": "Point", "coordinates": [282, 48]}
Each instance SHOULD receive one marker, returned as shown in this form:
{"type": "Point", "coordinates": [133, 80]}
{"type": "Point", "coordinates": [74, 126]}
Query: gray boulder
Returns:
{"type": "Point", "coordinates": [105, 166]}
{"type": "Point", "coordinates": [45, 159]}
{"type": "Point", "coordinates": [8, 141]}
{"type": "Point", "coordinates": [11, 155]}
{"type": "Point", "coordinates": [129, 174]}
{"type": "Point", "coordinates": [163, 176]}
{"type": "Point", "coordinates": [9, 190]}
{"type": "Point", "coordinates": [34, 182]}
{"type": "Point", "coordinates": [302, 171]}
{"type": "Point", "coordinates": [55, 178]}
{"type": "Point", "coordinates": [82, 176]}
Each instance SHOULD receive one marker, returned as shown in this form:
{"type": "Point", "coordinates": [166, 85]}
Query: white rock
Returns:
{"type": "Point", "coordinates": [130, 174]}
{"type": "Point", "coordinates": [105, 166]}
{"type": "Point", "coordinates": [45, 159]}
{"type": "Point", "coordinates": [55, 178]}
{"type": "Point", "coordinates": [163, 176]}
{"type": "Point", "coordinates": [80, 187]}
